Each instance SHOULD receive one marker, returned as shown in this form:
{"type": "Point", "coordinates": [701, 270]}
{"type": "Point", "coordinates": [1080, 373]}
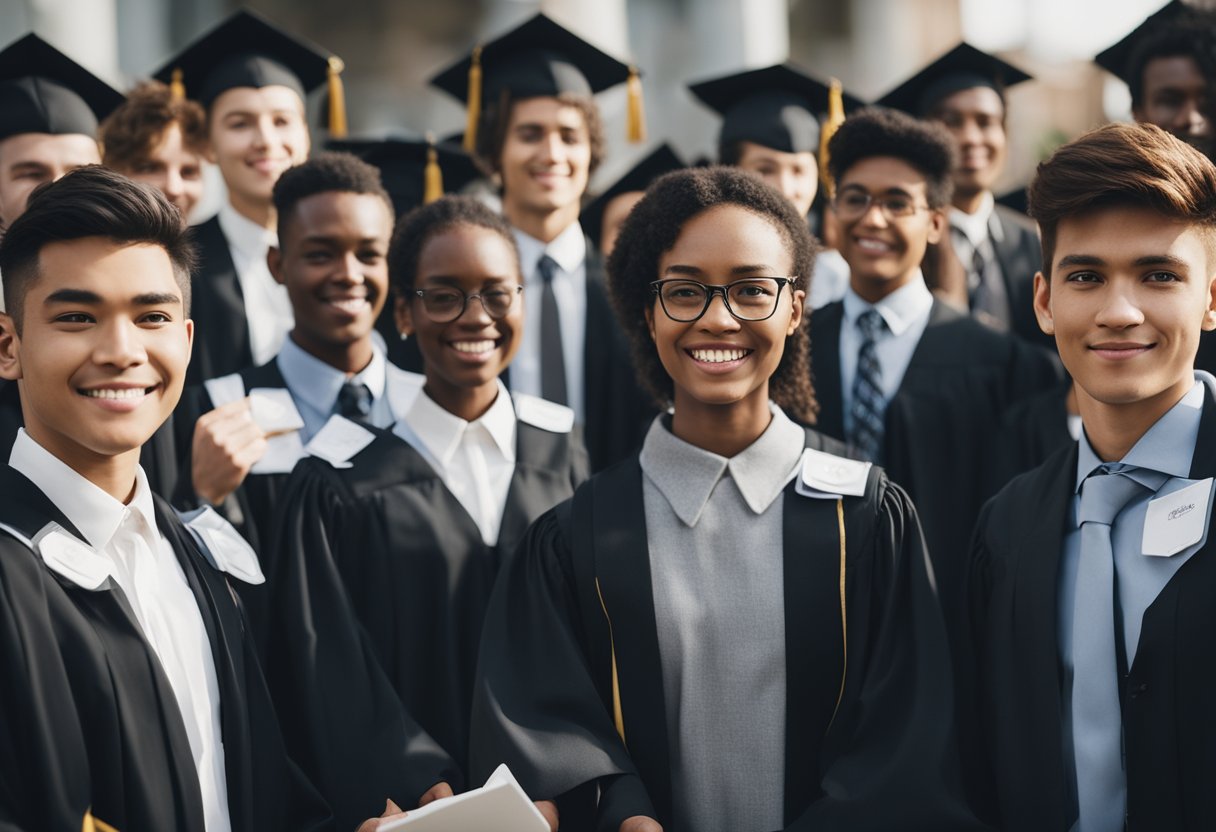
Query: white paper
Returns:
{"type": "Point", "coordinates": [339, 441]}
{"type": "Point", "coordinates": [225, 389]}
{"type": "Point", "coordinates": [499, 806]}
{"type": "Point", "coordinates": [1177, 520]}
{"type": "Point", "coordinates": [274, 411]}
{"type": "Point", "coordinates": [282, 454]}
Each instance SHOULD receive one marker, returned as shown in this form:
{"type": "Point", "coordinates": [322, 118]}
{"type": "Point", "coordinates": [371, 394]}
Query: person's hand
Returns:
{"type": "Point", "coordinates": [227, 442]}
{"type": "Point", "coordinates": [436, 792]}
{"type": "Point", "coordinates": [945, 274]}
{"type": "Point", "coordinates": [549, 809]}
{"type": "Point", "coordinates": [391, 812]}
{"type": "Point", "coordinates": [641, 823]}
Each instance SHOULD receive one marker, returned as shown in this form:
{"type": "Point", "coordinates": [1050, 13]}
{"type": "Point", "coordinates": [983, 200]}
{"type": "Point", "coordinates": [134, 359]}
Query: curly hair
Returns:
{"type": "Point", "coordinates": [325, 173]}
{"type": "Point", "coordinates": [496, 116]}
{"type": "Point", "coordinates": [423, 224]}
{"type": "Point", "coordinates": [129, 134]}
{"type": "Point", "coordinates": [653, 227]}
{"type": "Point", "coordinates": [878, 131]}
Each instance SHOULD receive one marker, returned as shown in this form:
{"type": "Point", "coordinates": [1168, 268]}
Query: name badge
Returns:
{"type": "Point", "coordinates": [1177, 520]}
{"type": "Point", "coordinates": [827, 476]}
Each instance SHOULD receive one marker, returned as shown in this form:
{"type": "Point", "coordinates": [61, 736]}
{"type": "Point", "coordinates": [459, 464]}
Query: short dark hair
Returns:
{"type": "Point", "coordinates": [1123, 164]}
{"type": "Point", "coordinates": [1190, 36]}
{"type": "Point", "coordinates": [324, 173]}
{"type": "Point", "coordinates": [653, 227]}
{"type": "Point", "coordinates": [492, 128]}
{"type": "Point", "coordinates": [878, 131]}
{"type": "Point", "coordinates": [128, 134]}
{"type": "Point", "coordinates": [92, 201]}
{"type": "Point", "coordinates": [424, 223]}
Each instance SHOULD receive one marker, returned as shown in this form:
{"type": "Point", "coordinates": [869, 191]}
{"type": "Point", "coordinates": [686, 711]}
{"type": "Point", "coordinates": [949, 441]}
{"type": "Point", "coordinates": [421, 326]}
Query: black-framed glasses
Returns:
{"type": "Point", "coordinates": [853, 204]}
{"type": "Point", "coordinates": [751, 299]}
{"type": "Point", "coordinates": [447, 303]}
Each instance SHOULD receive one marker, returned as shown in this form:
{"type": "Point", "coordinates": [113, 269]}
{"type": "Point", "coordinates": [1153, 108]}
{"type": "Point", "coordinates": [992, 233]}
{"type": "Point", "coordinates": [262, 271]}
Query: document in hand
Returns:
{"type": "Point", "coordinates": [500, 805]}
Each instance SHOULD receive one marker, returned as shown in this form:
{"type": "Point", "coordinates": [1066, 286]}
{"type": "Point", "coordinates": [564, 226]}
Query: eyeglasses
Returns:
{"type": "Point", "coordinates": [853, 205]}
{"type": "Point", "coordinates": [753, 299]}
{"type": "Point", "coordinates": [447, 304]}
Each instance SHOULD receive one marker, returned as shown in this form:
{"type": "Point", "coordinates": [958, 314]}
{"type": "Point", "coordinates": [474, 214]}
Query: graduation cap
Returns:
{"type": "Point", "coordinates": [777, 107]}
{"type": "Point", "coordinates": [540, 57]}
{"type": "Point", "coordinates": [1116, 59]}
{"type": "Point", "coordinates": [247, 50]}
{"type": "Point", "coordinates": [660, 161]}
{"type": "Point", "coordinates": [962, 68]}
{"type": "Point", "coordinates": [42, 90]}
{"type": "Point", "coordinates": [415, 171]}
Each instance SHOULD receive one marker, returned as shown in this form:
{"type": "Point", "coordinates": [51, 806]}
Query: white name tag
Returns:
{"type": "Point", "coordinates": [339, 441]}
{"type": "Point", "coordinates": [827, 476]}
{"type": "Point", "coordinates": [1177, 520]}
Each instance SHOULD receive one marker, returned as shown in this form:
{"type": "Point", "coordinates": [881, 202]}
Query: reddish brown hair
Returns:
{"type": "Point", "coordinates": [130, 133]}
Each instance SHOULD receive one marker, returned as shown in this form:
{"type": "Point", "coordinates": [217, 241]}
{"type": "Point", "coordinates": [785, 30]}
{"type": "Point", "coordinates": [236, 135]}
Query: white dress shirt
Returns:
{"type": "Point", "coordinates": [267, 306]}
{"type": "Point", "coordinates": [569, 251]}
{"type": "Point", "coordinates": [147, 571]}
{"type": "Point", "coordinates": [314, 386]}
{"type": "Point", "coordinates": [475, 460]}
{"type": "Point", "coordinates": [906, 312]}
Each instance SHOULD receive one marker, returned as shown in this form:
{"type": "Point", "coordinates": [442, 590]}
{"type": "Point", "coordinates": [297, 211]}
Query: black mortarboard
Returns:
{"type": "Point", "coordinates": [42, 90]}
{"type": "Point", "coordinates": [246, 50]}
{"type": "Point", "coordinates": [1116, 59]}
{"type": "Point", "coordinates": [660, 161]}
{"type": "Point", "coordinates": [962, 68]}
{"type": "Point", "coordinates": [778, 107]}
{"type": "Point", "coordinates": [540, 57]}
{"type": "Point", "coordinates": [414, 170]}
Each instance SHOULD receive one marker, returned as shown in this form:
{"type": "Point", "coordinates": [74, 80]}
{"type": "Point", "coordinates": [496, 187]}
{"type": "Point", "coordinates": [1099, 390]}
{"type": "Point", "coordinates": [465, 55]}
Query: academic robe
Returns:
{"type": "Point", "coordinates": [570, 682]}
{"type": "Point", "coordinates": [940, 426]}
{"type": "Point", "coordinates": [617, 411]}
{"type": "Point", "coordinates": [91, 728]}
{"type": "Point", "coordinates": [1030, 432]}
{"type": "Point", "coordinates": [387, 572]}
{"type": "Point", "coordinates": [217, 306]}
{"type": "Point", "coordinates": [1020, 255]}
{"type": "Point", "coordinates": [1169, 722]}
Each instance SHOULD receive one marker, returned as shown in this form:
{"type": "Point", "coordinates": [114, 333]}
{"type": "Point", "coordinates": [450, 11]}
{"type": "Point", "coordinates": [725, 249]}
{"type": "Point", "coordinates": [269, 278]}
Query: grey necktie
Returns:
{"type": "Point", "coordinates": [1097, 719]}
{"type": "Point", "coordinates": [552, 360]}
{"type": "Point", "coordinates": [355, 402]}
{"type": "Point", "coordinates": [987, 291]}
{"type": "Point", "coordinates": [868, 405]}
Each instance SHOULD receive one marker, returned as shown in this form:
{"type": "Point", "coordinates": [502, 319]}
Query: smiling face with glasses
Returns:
{"type": "Point", "coordinates": [885, 224]}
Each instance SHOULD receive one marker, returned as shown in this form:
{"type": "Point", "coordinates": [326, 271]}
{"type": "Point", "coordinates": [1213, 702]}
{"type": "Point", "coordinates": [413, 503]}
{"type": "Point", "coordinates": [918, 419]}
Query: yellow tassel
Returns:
{"type": "Point", "coordinates": [636, 113]}
{"type": "Point", "coordinates": [177, 88]}
{"type": "Point", "coordinates": [834, 120]}
{"type": "Point", "coordinates": [337, 99]}
{"type": "Point", "coordinates": [432, 188]}
{"type": "Point", "coordinates": [474, 103]}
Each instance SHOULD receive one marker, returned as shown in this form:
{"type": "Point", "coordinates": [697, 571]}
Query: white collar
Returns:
{"type": "Point", "coordinates": [900, 309]}
{"type": "Point", "coordinates": [569, 249]}
{"type": "Point", "coordinates": [318, 383]}
{"type": "Point", "coordinates": [975, 227]}
{"type": "Point", "coordinates": [245, 235]}
{"type": "Point", "coordinates": [441, 432]}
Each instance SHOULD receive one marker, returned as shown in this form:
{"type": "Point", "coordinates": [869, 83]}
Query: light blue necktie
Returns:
{"type": "Point", "coordinates": [1097, 719]}
{"type": "Point", "coordinates": [868, 405]}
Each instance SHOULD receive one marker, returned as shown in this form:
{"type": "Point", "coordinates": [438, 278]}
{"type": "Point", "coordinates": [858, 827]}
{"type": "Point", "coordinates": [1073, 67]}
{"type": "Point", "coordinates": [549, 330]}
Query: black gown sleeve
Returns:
{"type": "Point", "coordinates": [343, 721]}
{"type": "Point", "coordinates": [890, 758]}
{"type": "Point", "coordinates": [536, 706]}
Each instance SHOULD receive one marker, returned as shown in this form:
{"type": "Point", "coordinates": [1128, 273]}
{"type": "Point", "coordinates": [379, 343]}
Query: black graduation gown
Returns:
{"type": "Point", "coordinates": [1169, 723]}
{"type": "Point", "coordinates": [90, 722]}
{"type": "Point", "coordinates": [217, 305]}
{"type": "Point", "coordinates": [571, 633]}
{"type": "Point", "coordinates": [387, 572]}
{"type": "Point", "coordinates": [1030, 432]}
{"type": "Point", "coordinates": [1020, 255]}
{"type": "Point", "coordinates": [941, 423]}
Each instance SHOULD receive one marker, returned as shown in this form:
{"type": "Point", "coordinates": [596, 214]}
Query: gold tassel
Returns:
{"type": "Point", "coordinates": [337, 99]}
{"type": "Point", "coordinates": [636, 113]}
{"type": "Point", "coordinates": [432, 188]}
{"type": "Point", "coordinates": [177, 87]}
{"type": "Point", "coordinates": [834, 120]}
{"type": "Point", "coordinates": [474, 102]}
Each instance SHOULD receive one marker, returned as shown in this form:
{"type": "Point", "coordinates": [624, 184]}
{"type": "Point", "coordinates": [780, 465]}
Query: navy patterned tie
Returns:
{"type": "Point", "coordinates": [355, 402]}
{"type": "Point", "coordinates": [868, 404]}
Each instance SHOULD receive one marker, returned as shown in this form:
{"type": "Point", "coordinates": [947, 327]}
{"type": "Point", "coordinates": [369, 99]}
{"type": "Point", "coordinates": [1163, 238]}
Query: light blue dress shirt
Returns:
{"type": "Point", "coordinates": [314, 387]}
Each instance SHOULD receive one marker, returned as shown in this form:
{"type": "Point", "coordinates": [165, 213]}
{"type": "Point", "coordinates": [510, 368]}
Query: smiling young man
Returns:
{"type": "Point", "coordinates": [541, 136]}
{"type": "Point", "coordinates": [904, 378]}
{"type": "Point", "coordinates": [114, 613]}
{"type": "Point", "coordinates": [1092, 576]}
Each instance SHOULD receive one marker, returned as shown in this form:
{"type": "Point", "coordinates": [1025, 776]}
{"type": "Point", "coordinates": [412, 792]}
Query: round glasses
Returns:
{"type": "Point", "coordinates": [447, 304]}
{"type": "Point", "coordinates": [852, 205]}
{"type": "Point", "coordinates": [752, 299]}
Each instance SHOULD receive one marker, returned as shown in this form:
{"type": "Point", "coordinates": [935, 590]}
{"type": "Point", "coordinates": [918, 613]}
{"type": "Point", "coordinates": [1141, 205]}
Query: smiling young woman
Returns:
{"type": "Point", "coordinates": [735, 584]}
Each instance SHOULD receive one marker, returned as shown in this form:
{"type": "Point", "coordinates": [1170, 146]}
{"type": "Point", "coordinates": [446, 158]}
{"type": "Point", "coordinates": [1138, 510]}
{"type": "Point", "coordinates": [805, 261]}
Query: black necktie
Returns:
{"type": "Point", "coordinates": [355, 402]}
{"type": "Point", "coordinates": [552, 361]}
